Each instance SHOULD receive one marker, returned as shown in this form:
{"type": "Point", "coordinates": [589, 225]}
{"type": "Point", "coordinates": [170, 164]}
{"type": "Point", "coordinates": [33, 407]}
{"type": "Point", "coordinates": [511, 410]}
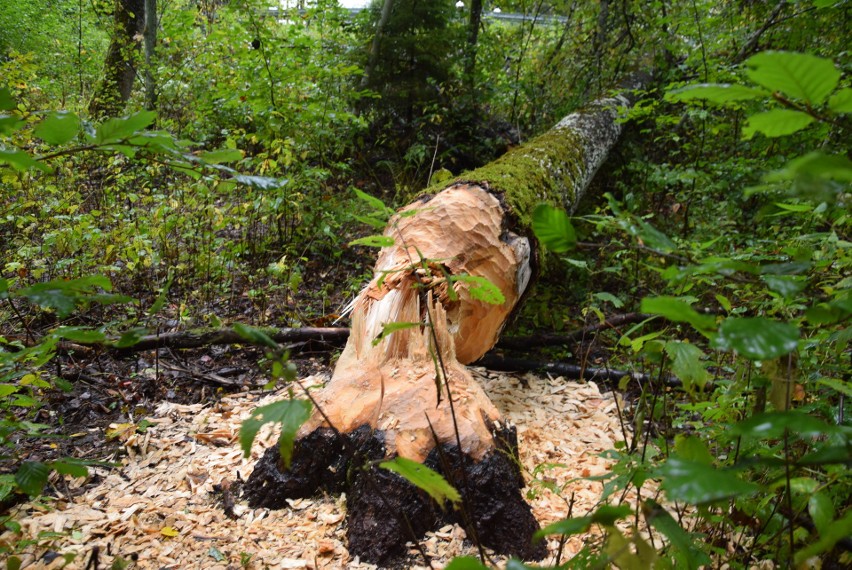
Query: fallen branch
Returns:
{"type": "Point", "coordinates": [550, 339]}
{"type": "Point", "coordinates": [496, 362]}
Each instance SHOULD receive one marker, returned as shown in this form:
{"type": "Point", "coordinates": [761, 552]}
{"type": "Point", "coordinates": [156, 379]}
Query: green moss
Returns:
{"type": "Point", "coordinates": [543, 170]}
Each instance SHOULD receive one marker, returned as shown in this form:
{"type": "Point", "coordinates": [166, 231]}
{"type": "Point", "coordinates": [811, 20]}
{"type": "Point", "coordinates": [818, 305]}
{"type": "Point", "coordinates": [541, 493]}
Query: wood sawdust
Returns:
{"type": "Point", "coordinates": [163, 508]}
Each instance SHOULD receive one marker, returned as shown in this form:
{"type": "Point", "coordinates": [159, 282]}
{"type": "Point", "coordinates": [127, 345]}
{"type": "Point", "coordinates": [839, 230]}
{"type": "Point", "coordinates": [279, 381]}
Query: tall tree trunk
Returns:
{"type": "Point", "coordinates": [473, 24]}
{"type": "Point", "coordinates": [150, 36]}
{"type": "Point", "coordinates": [409, 393]}
{"type": "Point", "coordinates": [119, 67]}
{"type": "Point", "coordinates": [384, 16]}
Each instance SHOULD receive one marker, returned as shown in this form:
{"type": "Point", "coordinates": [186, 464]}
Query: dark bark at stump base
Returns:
{"type": "Point", "coordinates": [384, 509]}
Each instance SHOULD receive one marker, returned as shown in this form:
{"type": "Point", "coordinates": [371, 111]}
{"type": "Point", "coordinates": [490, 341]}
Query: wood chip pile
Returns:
{"type": "Point", "coordinates": [164, 508]}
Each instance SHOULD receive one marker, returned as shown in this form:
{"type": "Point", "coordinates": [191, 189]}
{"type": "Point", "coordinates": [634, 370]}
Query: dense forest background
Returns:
{"type": "Point", "coordinates": [176, 165]}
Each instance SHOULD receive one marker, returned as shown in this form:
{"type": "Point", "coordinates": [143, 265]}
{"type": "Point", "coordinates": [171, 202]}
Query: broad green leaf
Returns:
{"type": "Point", "coordinates": [698, 483]}
{"type": "Point", "coordinates": [80, 334]}
{"type": "Point", "coordinates": [70, 467]}
{"type": "Point", "coordinates": [608, 515]}
{"type": "Point", "coordinates": [757, 338]}
{"type": "Point", "coordinates": [254, 335]}
{"type": "Point", "coordinates": [465, 563]}
{"type": "Point", "coordinates": [373, 241]}
{"type": "Point", "coordinates": [717, 93]}
{"type": "Point", "coordinates": [58, 128]}
{"type": "Point", "coordinates": [553, 228]}
{"type": "Point", "coordinates": [776, 123]}
{"type": "Point", "coordinates": [724, 302]}
{"type": "Point", "coordinates": [7, 102]}
{"type": "Point", "coordinates": [771, 425]}
{"type": "Point", "coordinates": [839, 529]}
{"type": "Point", "coordinates": [838, 385]}
{"type": "Point", "coordinates": [687, 365]}
{"type": "Point", "coordinates": [390, 328]}
{"type": "Point", "coordinates": [21, 160]}
{"type": "Point", "coordinates": [567, 527]}
{"type": "Point", "coordinates": [609, 298]}
{"type": "Point", "coordinates": [10, 124]}
{"type": "Point", "coordinates": [116, 129]}
{"type": "Point", "coordinates": [424, 479]}
{"type": "Point", "coordinates": [372, 222]}
{"type": "Point", "coordinates": [677, 311]}
{"type": "Point", "coordinates": [797, 75]}
{"type": "Point", "coordinates": [814, 165]}
{"type": "Point", "coordinates": [31, 477]}
{"type": "Point", "coordinates": [841, 102]}
{"type": "Point", "coordinates": [8, 389]}
{"type": "Point", "coordinates": [374, 202]}
{"type": "Point", "coordinates": [221, 155]}
{"type": "Point", "coordinates": [692, 448]}
{"type": "Point", "coordinates": [481, 289]}
{"type": "Point", "coordinates": [659, 518]}
{"type": "Point", "coordinates": [821, 509]}
{"type": "Point", "coordinates": [785, 285]}
{"type": "Point", "coordinates": [63, 295]}
{"type": "Point", "coordinates": [130, 337]}
{"type": "Point", "coordinates": [291, 414]}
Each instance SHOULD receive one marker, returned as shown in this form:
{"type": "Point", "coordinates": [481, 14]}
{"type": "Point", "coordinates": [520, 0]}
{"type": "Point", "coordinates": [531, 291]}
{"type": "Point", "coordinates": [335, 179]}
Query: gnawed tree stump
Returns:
{"type": "Point", "coordinates": [409, 394]}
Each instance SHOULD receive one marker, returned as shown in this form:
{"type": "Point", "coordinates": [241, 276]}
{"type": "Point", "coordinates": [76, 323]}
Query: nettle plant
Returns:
{"type": "Point", "coordinates": [33, 148]}
{"type": "Point", "coordinates": [752, 456]}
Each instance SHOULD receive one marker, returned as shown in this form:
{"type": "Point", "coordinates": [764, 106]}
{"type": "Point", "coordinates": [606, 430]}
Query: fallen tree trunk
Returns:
{"type": "Point", "coordinates": [408, 393]}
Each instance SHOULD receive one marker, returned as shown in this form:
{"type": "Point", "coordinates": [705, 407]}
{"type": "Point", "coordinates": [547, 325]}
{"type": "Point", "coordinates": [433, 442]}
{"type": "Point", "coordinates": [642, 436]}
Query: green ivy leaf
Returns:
{"type": "Point", "coordinates": [720, 93]}
{"type": "Point", "coordinates": [798, 75]}
{"type": "Point", "coordinates": [553, 228]}
{"type": "Point", "coordinates": [116, 129]}
{"type": "Point", "coordinates": [841, 102]}
{"type": "Point", "coordinates": [291, 414]}
{"type": "Point", "coordinates": [424, 479]}
{"type": "Point", "coordinates": [682, 541]}
{"type": "Point", "coordinates": [373, 241]}
{"type": "Point", "coordinates": [31, 477]}
{"type": "Point", "coordinates": [776, 123]}
{"type": "Point", "coordinates": [757, 338]}
{"type": "Point", "coordinates": [481, 289]}
{"type": "Point", "coordinates": [677, 311]}
{"type": "Point", "coordinates": [700, 484]}
{"type": "Point", "coordinates": [687, 365]}
{"type": "Point", "coordinates": [58, 128]}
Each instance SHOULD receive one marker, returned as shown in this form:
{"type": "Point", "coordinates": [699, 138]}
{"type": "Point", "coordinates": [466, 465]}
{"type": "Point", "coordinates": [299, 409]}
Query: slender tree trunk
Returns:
{"type": "Point", "coordinates": [387, 7]}
{"type": "Point", "coordinates": [150, 35]}
{"type": "Point", "coordinates": [408, 393]}
{"type": "Point", "coordinates": [473, 26]}
{"type": "Point", "coordinates": [119, 67]}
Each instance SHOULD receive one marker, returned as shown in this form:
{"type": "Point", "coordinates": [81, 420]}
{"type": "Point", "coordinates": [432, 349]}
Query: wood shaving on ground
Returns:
{"type": "Point", "coordinates": [164, 508]}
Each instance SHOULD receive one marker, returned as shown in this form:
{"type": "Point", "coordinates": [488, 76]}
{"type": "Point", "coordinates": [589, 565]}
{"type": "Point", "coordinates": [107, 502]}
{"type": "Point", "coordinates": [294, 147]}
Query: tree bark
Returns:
{"type": "Point", "coordinates": [384, 16]}
{"type": "Point", "coordinates": [408, 393]}
{"type": "Point", "coordinates": [119, 67]}
{"type": "Point", "coordinates": [150, 36]}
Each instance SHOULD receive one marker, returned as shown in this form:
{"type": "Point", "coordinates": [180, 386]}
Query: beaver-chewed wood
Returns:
{"type": "Point", "coordinates": [384, 511]}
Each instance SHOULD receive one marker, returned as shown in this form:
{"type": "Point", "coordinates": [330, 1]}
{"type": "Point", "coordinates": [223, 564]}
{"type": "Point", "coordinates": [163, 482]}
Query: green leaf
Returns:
{"type": "Point", "coordinates": [291, 414]}
{"type": "Point", "coordinates": [481, 289]}
{"type": "Point", "coordinates": [841, 102]}
{"type": "Point", "coordinates": [553, 228]}
{"type": "Point", "coordinates": [80, 334]}
{"type": "Point", "coordinates": [771, 425]}
{"type": "Point", "coordinates": [465, 563]}
{"type": "Point", "coordinates": [609, 298]}
{"type": "Point", "coordinates": [8, 389]}
{"type": "Point", "coordinates": [814, 165]}
{"type": "Point", "coordinates": [798, 75]}
{"type": "Point", "coordinates": [221, 155]}
{"type": "Point", "coordinates": [10, 124]}
{"type": "Point", "coordinates": [254, 335]}
{"type": "Point", "coordinates": [130, 337]}
{"type": "Point", "coordinates": [839, 529]}
{"type": "Point", "coordinates": [565, 527]}
{"type": "Point", "coordinates": [687, 365]}
{"type": "Point", "coordinates": [7, 102]}
{"type": "Point", "coordinates": [692, 448]}
{"type": "Point", "coordinates": [821, 509]}
{"type": "Point", "coordinates": [374, 202]}
{"type": "Point", "coordinates": [757, 338]}
{"type": "Point", "coordinates": [838, 385]}
{"type": "Point", "coordinates": [698, 483]}
{"type": "Point", "coordinates": [373, 241]}
{"type": "Point", "coordinates": [682, 541]}
{"type": "Point", "coordinates": [58, 128]}
{"type": "Point", "coordinates": [63, 295]}
{"type": "Point", "coordinates": [677, 311]}
{"type": "Point", "coordinates": [215, 554]}
{"type": "Point", "coordinates": [116, 129]}
{"type": "Point", "coordinates": [21, 160]}
{"type": "Point", "coordinates": [607, 515]}
{"type": "Point", "coordinates": [424, 479]}
{"type": "Point", "coordinates": [785, 285]}
{"type": "Point", "coordinates": [720, 93]}
{"type": "Point", "coordinates": [31, 477]}
{"type": "Point", "coordinates": [390, 328]}
{"type": "Point", "coordinates": [70, 467]}
{"type": "Point", "coordinates": [776, 123]}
